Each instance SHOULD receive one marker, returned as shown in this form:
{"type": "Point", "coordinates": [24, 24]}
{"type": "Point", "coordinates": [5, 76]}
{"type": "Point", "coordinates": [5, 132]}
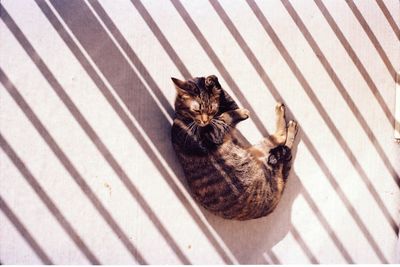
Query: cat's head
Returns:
{"type": "Point", "coordinates": [198, 99]}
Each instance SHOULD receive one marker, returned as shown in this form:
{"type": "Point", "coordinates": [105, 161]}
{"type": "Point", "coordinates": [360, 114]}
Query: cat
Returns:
{"type": "Point", "coordinates": [224, 175]}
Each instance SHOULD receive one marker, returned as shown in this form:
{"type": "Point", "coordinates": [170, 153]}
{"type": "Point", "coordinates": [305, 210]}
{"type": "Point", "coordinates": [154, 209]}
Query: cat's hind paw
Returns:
{"type": "Point", "coordinates": [280, 108]}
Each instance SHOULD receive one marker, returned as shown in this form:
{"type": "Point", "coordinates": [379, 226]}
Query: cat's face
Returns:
{"type": "Point", "coordinates": [198, 99]}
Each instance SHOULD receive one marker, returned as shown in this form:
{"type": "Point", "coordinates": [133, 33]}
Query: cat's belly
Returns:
{"type": "Point", "coordinates": [229, 183]}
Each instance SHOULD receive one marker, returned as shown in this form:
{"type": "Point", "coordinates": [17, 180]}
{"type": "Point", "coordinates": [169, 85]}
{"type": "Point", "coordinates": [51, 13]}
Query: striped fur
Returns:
{"type": "Point", "coordinates": [224, 176]}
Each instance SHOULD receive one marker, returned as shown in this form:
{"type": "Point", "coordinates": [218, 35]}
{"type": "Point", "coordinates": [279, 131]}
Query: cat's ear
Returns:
{"type": "Point", "coordinates": [212, 82]}
{"type": "Point", "coordinates": [213, 86]}
{"type": "Point", "coordinates": [182, 87]}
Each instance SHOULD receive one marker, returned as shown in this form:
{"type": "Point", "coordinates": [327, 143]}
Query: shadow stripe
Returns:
{"type": "Point", "coordinates": [51, 142]}
{"type": "Point", "coordinates": [353, 212]}
{"type": "Point", "coordinates": [312, 149]}
{"type": "Point", "coordinates": [296, 18]}
{"type": "Point", "coordinates": [389, 18]}
{"type": "Point", "coordinates": [274, 258]}
{"type": "Point", "coordinates": [368, 80]}
{"type": "Point", "coordinates": [305, 139]}
{"type": "Point", "coordinates": [64, 223]}
{"type": "Point", "coordinates": [107, 155]}
{"type": "Point", "coordinates": [111, 160]}
{"type": "Point", "coordinates": [203, 42]}
{"type": "Point", "coordinates": [327, 120]}
{"type": "Point", "coordinates": [130, 126]}
{"type": "Point", "coordinates": [21, 228]}
{"type": "Point", "coordinates": [372, 38]}
{"type": "Point", "coordinates": [69, 166]}
{"type": "Point", "coordinates": [218, 64]}
{"type": "Point", "coordinates": [304, 246]}
{"type": "Point", "coordinates": [357, 62]}
{"type": "Point", "coordinates": [32, 180]}
{"type": "Point", "coordinates": [261, 72]}
{"type": "Point", "coordinates": [328, 228]}
{"type": "Point", "coordinates": [161, 39]}
{"type": "Point", "coordinates": [132, 55]}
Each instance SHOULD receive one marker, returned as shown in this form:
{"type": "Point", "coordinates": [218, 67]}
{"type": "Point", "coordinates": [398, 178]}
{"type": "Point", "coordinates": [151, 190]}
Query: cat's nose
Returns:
{"type": "Point", "coordinates": [204, 119]}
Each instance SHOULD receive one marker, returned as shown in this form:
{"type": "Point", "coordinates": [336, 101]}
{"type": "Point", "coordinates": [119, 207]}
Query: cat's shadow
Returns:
{"type": "Point", "coordinates": [251, 242]}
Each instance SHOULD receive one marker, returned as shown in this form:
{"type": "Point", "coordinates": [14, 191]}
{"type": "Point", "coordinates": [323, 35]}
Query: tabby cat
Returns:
{"type": "Point", "coordinates": [225, 176]}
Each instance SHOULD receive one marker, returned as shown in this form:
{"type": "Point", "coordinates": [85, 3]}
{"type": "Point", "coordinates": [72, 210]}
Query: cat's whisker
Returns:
{"type": "Point", "coordinates": [189, 131]}
{"type": "Point", "coordinates": [223, 175]}
{"type": "Point", "coordinates": [192, 127]}
{"type": "Point", "coordinates": [186, 132]}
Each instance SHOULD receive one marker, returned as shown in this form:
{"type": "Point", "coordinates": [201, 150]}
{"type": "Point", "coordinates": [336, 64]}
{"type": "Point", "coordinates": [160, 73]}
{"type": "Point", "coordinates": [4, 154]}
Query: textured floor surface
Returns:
{"type": "Point", "coordinates": [87, 170]}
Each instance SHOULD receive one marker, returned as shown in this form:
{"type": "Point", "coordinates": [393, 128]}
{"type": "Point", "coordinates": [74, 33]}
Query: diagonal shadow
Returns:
{"type": "Point", "coordinates": [307, 248]}
{"type": "Point", "coordinates": [64, 160]}
{"type": "Point", "coordinates": [125, 118]}
{"type": "Point", "coordinates": [312, 149]}
{"type": "Point", "coordinates": [389, 18]}
{"type": "Point", "coordinates": [353, 108]}
{"type": "Point", "coordinates": [122, 42]}
{"type": "Point", "coordinates": [323, 166]}
{"type": "Point", "coordinates": [235, 33]}
{"type": "Point", "coordinates": [35, 185]}
{"type": "Point", "coordinates": [211, 54]}
{"type": "Point", "coordinates": [372, 38]}
{"type": "Point", "coordinates": [22, 229]}
{"type": "Point", "coordinates": [222, 69]}
{"type": "Point", "coordinates": [357, 62]}
{"type": "Point", "coordinates": [104, 151]}
{"type": "Point", "coordinates": [269, 84]}
{"type": "Point", "coordinates": [340, 86]}
{"type": "Point", "coordinates": [296, 18]}
{"type": "Point", "coordinates": [274, 258]}
{"type": "Point", "coordinates": [333, 129]}
{"type": "Point", "coordinates": [161, 39]}
{"type": "Point", "coordinates": [325, 224]}
{"type": "Point", "coordinates": [135, 59]}
{"type": "Point", "coordinates": [304, 246]}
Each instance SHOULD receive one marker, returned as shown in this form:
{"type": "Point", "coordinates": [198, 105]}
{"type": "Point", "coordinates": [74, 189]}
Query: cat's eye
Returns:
{"type": "Point", "coordinates": [194, 106]}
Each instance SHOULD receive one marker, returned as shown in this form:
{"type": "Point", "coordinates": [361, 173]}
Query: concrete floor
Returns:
{"type": "Point", "coordinates": [88, 174]}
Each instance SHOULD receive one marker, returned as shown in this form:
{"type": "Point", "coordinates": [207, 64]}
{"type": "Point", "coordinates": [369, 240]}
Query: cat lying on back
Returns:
{"type": "Point", "coordinates": [224, 176]}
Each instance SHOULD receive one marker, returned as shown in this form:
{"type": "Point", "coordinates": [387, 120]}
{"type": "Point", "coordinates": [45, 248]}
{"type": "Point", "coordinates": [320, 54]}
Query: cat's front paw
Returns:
{"type": "Point", "coordinates": [243, 113]}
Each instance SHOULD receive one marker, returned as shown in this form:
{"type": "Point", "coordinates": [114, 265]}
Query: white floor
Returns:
{"type": "Point", "coordinates": [87, 171]}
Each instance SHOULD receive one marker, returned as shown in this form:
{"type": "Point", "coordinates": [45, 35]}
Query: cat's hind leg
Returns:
{"type": "Point", "coordinates": [279, 137]}
{"type": "Point", "coordinates": [272, 147]}
{"type": "Point", "coordinates": [262, 150]}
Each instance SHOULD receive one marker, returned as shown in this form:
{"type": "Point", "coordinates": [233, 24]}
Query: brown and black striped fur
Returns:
{"type": "Point", "coordinates": [226, 177]}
